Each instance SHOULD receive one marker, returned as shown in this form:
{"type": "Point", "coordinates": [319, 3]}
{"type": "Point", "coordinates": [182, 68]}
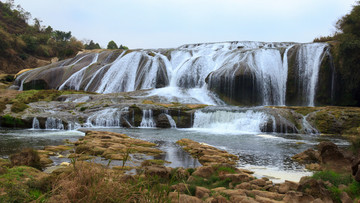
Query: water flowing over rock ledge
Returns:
{"type": "Point", "coordinates": [136, 109]}
{"type": "Point", "coordinates": [241, 73]}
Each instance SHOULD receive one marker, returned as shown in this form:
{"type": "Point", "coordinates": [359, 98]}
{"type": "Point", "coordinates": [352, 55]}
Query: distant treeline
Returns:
{"type": "Point", "coordinates": [21, 43]}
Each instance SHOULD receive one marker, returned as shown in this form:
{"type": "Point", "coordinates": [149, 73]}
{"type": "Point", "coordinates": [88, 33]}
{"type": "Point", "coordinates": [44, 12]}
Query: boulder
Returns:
{"type": "Point", "coordinates": [162, 121]}
{"type": "Point", "coordinates": [315, 188]}
{"type": "Point", "coordinates": [287, 186]}
{"type": "Point", "coordinates": [308, 156]}
{"type": "Point", "coordinates": [176, 198]}
{"type": "Point", "coordinates": [201, 192]}
{"type": "Point", "coordinates": [332, 157]}
{"type": "Point", "coordinates": [297, 197]}
{"type": "Point", "coordinates": [204, 171]}
{"type": "Point", "coordinates": [157, 171]}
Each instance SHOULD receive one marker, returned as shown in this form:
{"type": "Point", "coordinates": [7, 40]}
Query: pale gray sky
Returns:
{"type": "Point", "coordinates": [171, 23]}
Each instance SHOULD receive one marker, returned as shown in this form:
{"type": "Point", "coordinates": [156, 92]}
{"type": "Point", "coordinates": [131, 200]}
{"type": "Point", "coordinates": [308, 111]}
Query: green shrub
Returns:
{"type": "Point", "coordinates": [333, 177]}
{"type": "Point", "coordinates": [354, 189]}
{"type": "Point", "coordinates": [11, 121]}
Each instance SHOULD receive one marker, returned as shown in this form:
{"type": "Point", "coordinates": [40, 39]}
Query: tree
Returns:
{"type": "Point", "coordinates": [112, 45]}
{"type": "Point", "coordinates": [61, 36]}
{"type": "Point", "coordinates": [92, 45]}
{"type": "Point", "coordinates": [123, 47]}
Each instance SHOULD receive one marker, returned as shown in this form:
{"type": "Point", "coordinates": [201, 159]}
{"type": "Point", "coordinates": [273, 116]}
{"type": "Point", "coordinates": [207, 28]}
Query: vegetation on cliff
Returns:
{"type": "Point", "coordinates": [346, 51]}
{"type": "Point", "coordinates": [23, 45]}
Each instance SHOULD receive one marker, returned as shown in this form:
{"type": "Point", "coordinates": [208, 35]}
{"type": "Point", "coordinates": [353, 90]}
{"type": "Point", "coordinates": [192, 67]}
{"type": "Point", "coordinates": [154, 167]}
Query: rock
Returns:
{"type": "Point", "coordinates": [156, 170]}
{"type": "Point", "coordinates": [297, 197]}
{"type": "Point", "coordinates": [245, 186]}
{"type": "Point", "coordinates": [202, 192]}
{"type": "Point", "coordinates": [270, 195]}
{"type": "Point", "coordinates": [180, 187]}
{"type": "Point", "coordinates": [264, 199]}
{"type": "Point", "coordinates": [287, 186]}
{"type": "Point", "coordinates": [177, 198]}
{"type": "Point", "coordinates": [313, 167]}
{"type": "Point", "coordinates": [242, 199]}
{"type": "Point", "coordinates": [329, 152]}
{"type": "Point", "coordinates": [162, 121]}
{"type": "Point", "coordinates": [308, 156]}
{"type": "Point", "coordinates": [237, 178]}
{"type": "Point", "coordinates": [344, 197]}
{"type": "Point", "coordinates": [64, 164]}
{"type": "Point", "coordinates": [315, 188]}
{"type": "Point", "coordinates": [204, 171]}
{"type": "Point", "coordinates": [259, 182]}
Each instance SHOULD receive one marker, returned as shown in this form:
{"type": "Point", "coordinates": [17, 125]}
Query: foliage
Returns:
{"type": "Point", "coordinates": [333, 177]}
{"type": "Point", "coordinates": [27, 157]}
{"type": "Point", "coordinates": [112, 45]}
{"type": "Point", "coordinates": [92, 45]}
{"type": "Point", "coordinates": [19, 40]}
{"type": "Point", "coordinates": [11, 121]}
{"type": "Point", "coordinates": [123, 47]}
{"type": "Point", "coordinates": [18, 107]}
{"type": "Point", "coordinates": [346, 50]}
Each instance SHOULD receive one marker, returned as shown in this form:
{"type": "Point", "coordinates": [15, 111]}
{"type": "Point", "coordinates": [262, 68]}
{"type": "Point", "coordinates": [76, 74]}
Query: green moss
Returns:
{"type": "Point", "coordinates": [11, 121]}
{"type": "Point", "coordinates": [18, 107]}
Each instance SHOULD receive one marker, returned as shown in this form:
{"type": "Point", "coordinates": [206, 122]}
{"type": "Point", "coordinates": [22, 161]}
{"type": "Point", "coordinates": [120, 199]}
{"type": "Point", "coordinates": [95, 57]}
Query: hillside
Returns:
{"type": "Point", "coordinates": [28, 46]}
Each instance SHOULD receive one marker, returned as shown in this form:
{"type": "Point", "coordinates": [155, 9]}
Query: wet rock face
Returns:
{"type": "Point", "coordinates": [162, 121]}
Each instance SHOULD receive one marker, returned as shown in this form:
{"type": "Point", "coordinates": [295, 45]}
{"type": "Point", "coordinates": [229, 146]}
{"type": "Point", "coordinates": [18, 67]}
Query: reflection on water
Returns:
{"type": "Point", "coordinates": [12, 141]}
{"type": "Point", "coordinates": [263, 153]}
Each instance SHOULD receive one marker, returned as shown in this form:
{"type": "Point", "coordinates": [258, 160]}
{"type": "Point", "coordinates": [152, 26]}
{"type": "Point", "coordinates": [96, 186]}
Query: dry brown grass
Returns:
{"type": "Point", "coordinates": [89, 182]}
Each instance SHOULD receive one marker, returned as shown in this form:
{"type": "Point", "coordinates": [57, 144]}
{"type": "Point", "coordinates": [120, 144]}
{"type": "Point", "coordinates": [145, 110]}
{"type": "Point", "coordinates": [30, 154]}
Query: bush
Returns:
{"type": "Point", "coordinates": [27, 157]}
{"type": "Point", "coordinates": [112, 45]}
{"type": "Point", "coordinates": [333, 177]}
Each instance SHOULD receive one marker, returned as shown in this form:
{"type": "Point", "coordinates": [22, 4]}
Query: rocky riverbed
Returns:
{"type": "Point", "coordinates": [217, 181]}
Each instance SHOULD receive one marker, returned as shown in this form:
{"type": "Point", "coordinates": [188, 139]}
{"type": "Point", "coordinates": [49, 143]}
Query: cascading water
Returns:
{"type": "Point", "coordinates": [110, 117]}
{"type": "Point", "coordinates": [171, 121]}
{"type": "Point", "coordinates": [230, 122]}
{"type": "Point", "coordinates": [245, 73]}
{"type": "Point", "coordinates": [74, 81]}
{"type": "Point", "coordinates": [54, 124]}
{"type": "Point", "coordinates": [35, 123]}
{"type": "Point", "coordinates": [147, 119]}
{"type": "Point", "coordinates": [309, 59]}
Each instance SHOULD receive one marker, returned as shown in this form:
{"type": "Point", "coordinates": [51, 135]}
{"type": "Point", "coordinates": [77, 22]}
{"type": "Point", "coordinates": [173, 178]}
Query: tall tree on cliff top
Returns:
{"type": "Point", "coordinates": [112, 45]}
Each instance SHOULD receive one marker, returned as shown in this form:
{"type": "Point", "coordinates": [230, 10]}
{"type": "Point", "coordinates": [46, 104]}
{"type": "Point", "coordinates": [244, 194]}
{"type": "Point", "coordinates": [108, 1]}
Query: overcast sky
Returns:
{"type": "Point", "coordinates": [171, 23]}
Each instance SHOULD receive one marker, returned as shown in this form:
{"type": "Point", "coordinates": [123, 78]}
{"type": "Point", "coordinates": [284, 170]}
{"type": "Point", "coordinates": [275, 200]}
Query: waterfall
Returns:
{"type": "Point", "coordinates": [147, 119]}
{"type": "Point", "coordinates": [54, 124]}
{"type": "Point", "coordinates": [230, 122]}
{"type": "Point", "coordinates": [307, 128]}
{"type": "Point", "coordinates": [35, 123]}
{"type": "Point", "coordinates": [74, 81]}
{"type": "Point", "coordinates": [171, 121]}
{"type": "Point", "coordinates": [110, 117]}
{"type": "Point", "coordinates": [309, 59]}
{"type": "Point", "coordinates": [244, 73]}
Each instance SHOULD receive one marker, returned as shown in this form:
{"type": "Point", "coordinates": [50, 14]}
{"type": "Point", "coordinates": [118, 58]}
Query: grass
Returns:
{"type": "Point", "coordinates": [334, 178]}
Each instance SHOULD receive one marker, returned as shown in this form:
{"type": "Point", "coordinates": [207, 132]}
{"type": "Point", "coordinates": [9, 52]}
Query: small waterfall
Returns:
{"type": "Point", "coordinates": [309, 59]}
{"type": "Point", "coordinates": [73, 126]}
{"type": "Point", "coordinates": [147, 119]}
{"type": "Point", "coordinates": [308, 129]}
{"type": "Point", "coordinates": [35, 123]}
{"type": "Point", "coordinates": [74, 81]}
{"type": "Point", "coordinates": [110, 117]}
{"type": "Point", "coordinates": [228, 121]}
{"type": "Point", "coordinates": [171, 121]}
{"type": "Point", "coordinates": [54, 124]}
